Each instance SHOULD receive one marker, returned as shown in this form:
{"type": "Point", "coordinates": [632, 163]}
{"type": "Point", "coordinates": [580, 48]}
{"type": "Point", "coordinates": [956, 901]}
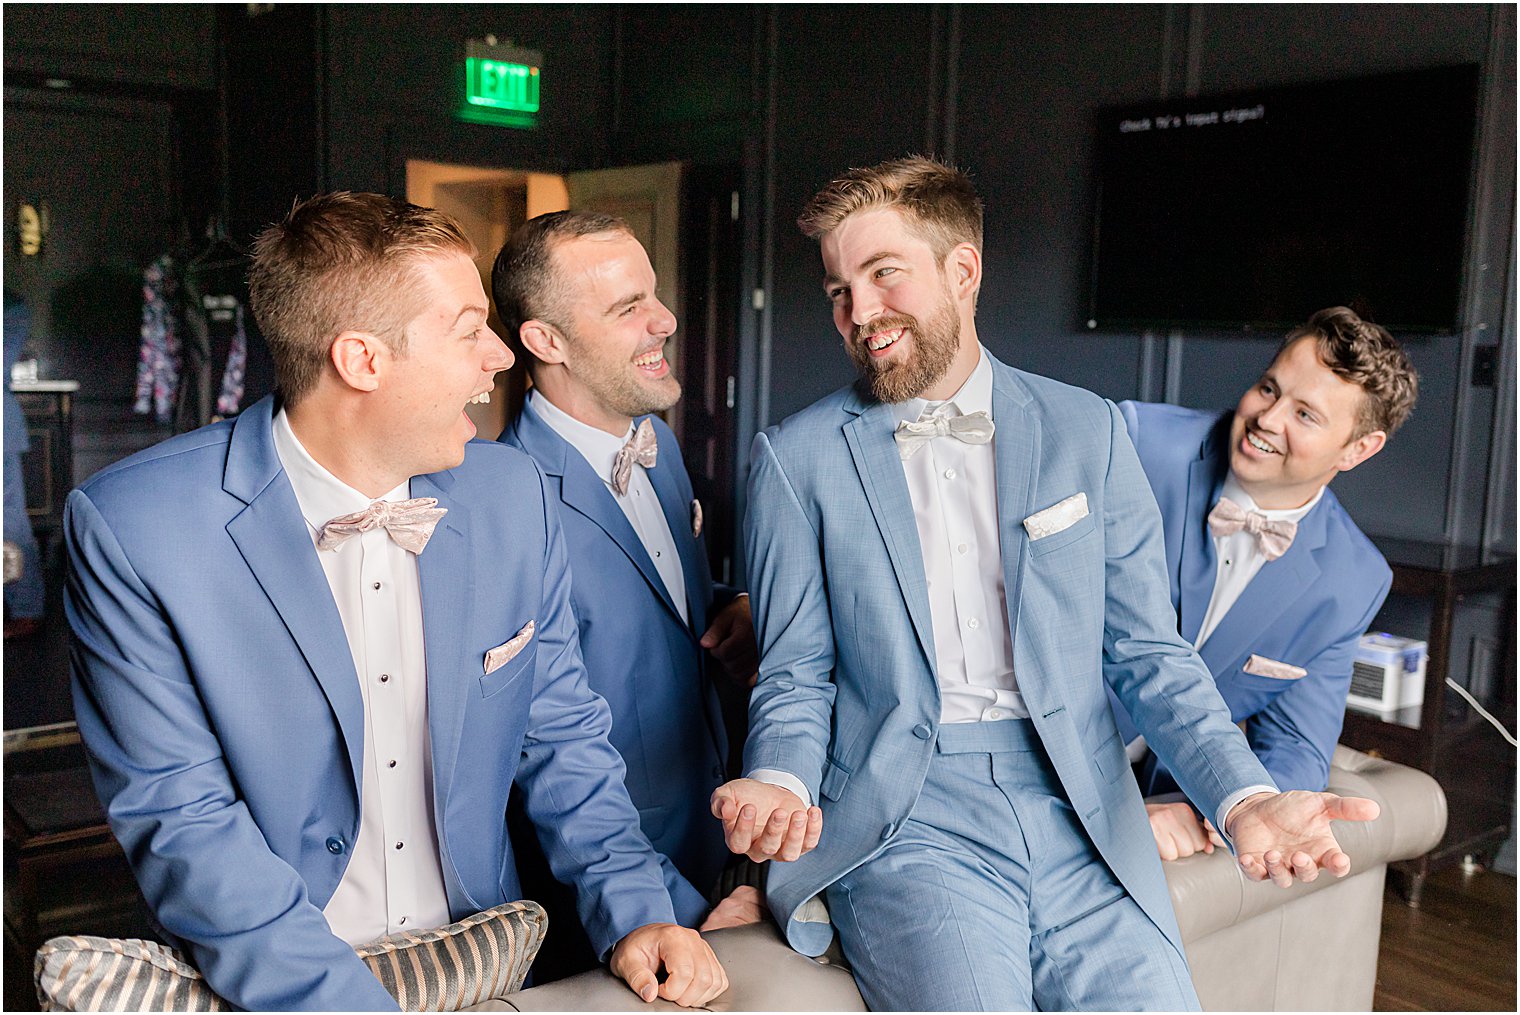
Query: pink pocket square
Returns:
{"type": "Point", "coordinates": [1261, 666]}
{"type": "Point", "coordinates": [503, 654]}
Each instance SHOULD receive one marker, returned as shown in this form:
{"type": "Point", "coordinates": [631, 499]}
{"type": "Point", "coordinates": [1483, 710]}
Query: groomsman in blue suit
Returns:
{"type": "Point", "coordinates": [1271, 580]}
{"type": "Point", "coordinates": [951, 561]}
{"type": "Point", "coordinates": [576, 293]}
{"type": "Point", "coordinates": [315, 645]}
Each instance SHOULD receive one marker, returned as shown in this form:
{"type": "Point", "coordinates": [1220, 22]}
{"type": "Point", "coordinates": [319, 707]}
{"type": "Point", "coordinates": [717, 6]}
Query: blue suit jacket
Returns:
{"type": "Point", "coordinates": [218, 702]}
{"type": "Point", "coordinates": [640, 655]}
{"type": "Point", "coordinates": [1308, 608]}
{"type": "Point", "coordinates": [848, 699]}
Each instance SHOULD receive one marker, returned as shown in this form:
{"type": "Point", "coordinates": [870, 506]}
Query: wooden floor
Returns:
{"type": "Point", "coordinates": [1456, 952]}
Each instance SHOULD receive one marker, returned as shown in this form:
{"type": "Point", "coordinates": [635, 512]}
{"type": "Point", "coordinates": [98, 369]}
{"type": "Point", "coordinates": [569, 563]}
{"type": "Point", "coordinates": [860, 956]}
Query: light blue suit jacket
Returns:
{"type": "Point", "coordinates": [1308, 608]}
{"type": "Point", "coordinates": [640, 655]}
{"type": "Point", "coordinates": [848, 699]}
{"type": "Point", "coordinates": [217, 699]}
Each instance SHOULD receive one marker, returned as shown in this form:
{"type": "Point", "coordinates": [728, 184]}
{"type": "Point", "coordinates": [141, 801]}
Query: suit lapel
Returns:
{"type": "Point", "coordinates": [1278, 583]}
{"type": "Point", "coordinates": [276, 544]}
{"type": "Point", "coordinates": [445, 576]}
{"type": "Point", "coordinates": [678, 516]}
{"type": "Point", "coordinates": [1016, 445]}
{"type": "Point", "coordinates": [1197, 565]}
{"type": "Point", "coordinates": [584, 492]}
{"type": "Point", "coordinates": [869, 436]}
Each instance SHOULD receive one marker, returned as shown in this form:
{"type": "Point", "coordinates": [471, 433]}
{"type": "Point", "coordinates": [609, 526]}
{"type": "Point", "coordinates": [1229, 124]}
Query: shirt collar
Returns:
{"type": "Point", "coordinates": [975, 395]}
{"type": "Point", "coordinates": [320, 495]}
{"type": "Point", "coordinates": [598, 447]}
{"type": "Point", "coordinates": [1233, 490]}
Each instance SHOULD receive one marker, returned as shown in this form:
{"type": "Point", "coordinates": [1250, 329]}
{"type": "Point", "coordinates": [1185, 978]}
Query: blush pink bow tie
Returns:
{"type": "Point", "coordinates": [409, 523]}
{"type": "Point", "coordinates": [1272, 537]}
{"type": "Point", "coordinates": [642, 448]}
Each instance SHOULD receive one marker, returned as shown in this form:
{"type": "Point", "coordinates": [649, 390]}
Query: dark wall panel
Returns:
{"type": "Point", "coordinates": [170, 45]}
{"type": "Point", "coordinates": [852, 91]}
{"type": "Point", "coordinates": [1028, 84]}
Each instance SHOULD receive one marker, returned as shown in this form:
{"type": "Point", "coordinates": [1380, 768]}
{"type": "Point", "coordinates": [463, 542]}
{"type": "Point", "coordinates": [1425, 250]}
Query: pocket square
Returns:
{"type": "Point", "coordinates": [1057, 517]}
{"type": "Point", "coordinates": [505, 653]}
{"type": "Point", "coordinates": [1261, 666]}
{"type": "Point", "coordinates": [696, 518]}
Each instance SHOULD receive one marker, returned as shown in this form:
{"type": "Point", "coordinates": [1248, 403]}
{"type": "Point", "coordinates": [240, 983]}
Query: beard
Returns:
{"type": "Point", "coordinates": [616, 388]}
{"type": "Point", "coordinates": [934, 347]}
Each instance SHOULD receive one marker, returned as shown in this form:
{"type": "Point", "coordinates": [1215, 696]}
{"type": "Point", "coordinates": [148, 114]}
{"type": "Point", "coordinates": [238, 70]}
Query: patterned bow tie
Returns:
{"type": "Point", "coordinates": [1272, 538]}
{"type": "Point", "coordinates": [641, 448]}
{"type": "Point", "coordinates": [409, 523]}
{"type": "Point", "coordinates": [972, 428]}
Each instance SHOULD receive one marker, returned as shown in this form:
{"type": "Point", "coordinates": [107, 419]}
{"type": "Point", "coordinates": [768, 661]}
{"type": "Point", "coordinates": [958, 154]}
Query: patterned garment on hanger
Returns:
{"type": "Point", "coordinates": [158, 359]}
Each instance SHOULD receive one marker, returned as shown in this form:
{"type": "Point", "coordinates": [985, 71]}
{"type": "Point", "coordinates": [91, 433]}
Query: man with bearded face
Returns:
{"type": "Point", "coordinates": [576, 293]}
{"type": "Point", "coordinates": [951, 563]}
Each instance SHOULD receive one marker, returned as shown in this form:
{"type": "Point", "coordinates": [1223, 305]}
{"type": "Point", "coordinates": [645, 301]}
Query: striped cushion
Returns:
{"type": "Point", "coordinates": [483, 956]}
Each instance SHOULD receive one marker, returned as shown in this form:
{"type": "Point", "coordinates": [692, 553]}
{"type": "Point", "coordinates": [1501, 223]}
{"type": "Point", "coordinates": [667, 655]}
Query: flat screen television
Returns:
{"type": "Point", "coordinates": [1257, 208]}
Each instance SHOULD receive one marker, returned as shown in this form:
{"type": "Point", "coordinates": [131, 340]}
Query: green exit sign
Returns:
{"type": "Point", "coordinates": [501, 84]}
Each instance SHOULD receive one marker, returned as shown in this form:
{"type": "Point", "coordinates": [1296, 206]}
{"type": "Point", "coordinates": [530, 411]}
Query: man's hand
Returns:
{"type": "Point", "coordinates": [1178, 831]}
{"type": "Point", "coordinates": [1283, 836]}
{"type": "Point", "coordinates": [693, 974]}
{"type": "Point", "coordinates": [744, 905]}
{"type": "Point", "coordinates": [765, 822]}
{"type": "Point", "coordinates": [731, 640]}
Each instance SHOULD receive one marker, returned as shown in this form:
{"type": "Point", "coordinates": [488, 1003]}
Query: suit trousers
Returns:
{"type": "Point", "coordinates": [992, 897]}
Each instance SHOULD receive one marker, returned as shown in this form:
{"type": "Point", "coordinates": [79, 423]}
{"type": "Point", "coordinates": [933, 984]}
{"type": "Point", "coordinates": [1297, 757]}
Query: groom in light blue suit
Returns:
{"type": "Point", "coordinates": [577, 294]}
{"type": "Point", "coordinates": [951, 561]}
{"type": "Point", "coordinates": [315, 646]}
{"type": "Point", "coordinates": [1276, 620]}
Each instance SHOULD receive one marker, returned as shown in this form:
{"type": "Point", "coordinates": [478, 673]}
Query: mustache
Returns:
{"type": "Point", "coordinates": [865, 331]}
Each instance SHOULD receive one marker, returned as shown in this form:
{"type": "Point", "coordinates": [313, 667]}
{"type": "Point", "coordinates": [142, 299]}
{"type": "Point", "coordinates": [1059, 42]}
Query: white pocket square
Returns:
{"type": "Point", "coordinates": [1261, 666]}
{"type": "Point", "coordinates": [1057, 517]}
{"type": "Point", "coordinates": [504, 653]}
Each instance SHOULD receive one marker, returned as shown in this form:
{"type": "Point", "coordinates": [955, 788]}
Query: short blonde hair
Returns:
{"type": "Point", "coordinates": [937, 199]}
{"type": "Point", "coordinates": [341, 262]}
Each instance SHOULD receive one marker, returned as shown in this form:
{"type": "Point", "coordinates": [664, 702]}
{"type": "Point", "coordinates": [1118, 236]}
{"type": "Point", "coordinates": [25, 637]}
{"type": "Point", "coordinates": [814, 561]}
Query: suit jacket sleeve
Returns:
{"type": "Point", "coordinates": [203, 866]}
{"type": "Point", "coordinates": [1160, 680]}
{"type": "Point", "coordinates": [790, 708]}
{"type": "Point", "coordinates": [573, 780]}
{"type": "Point", "coordinates": [1295, 735]}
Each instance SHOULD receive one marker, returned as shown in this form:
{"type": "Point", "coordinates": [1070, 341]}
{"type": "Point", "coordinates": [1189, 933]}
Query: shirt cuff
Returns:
{"type": "Point", "coordinates": [1229, 805]}
{"type": "Point", "coordinates": [785, 780]}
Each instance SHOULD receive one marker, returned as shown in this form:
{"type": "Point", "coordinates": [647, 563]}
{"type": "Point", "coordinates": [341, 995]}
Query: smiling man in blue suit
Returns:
{"type": "Point", "coordinates": [576, 292]}
{"type": "Point", "coordinates": [1271, 580]}
{"type": "Point", "coordinates": [316, 645]}
{"type": "Point", "coordinates": [951, 562]}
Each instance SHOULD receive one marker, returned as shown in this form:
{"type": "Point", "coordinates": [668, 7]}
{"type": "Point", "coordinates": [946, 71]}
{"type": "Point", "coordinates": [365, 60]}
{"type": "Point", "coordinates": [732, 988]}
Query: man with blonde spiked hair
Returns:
{"type": "Point", "coordinates": [316, 645]}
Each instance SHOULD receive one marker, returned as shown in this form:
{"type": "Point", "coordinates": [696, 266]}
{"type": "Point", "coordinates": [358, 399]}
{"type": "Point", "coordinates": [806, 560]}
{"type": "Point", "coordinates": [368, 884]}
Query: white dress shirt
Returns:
{"type": "Point", "coordinates": [394, 878]}
{"type": "Point", "coordinates": [953, 487]}
{"type": "Point", "coordinates": [1239, 555]}
{"type": "Point", "coordinates": [639, 504]}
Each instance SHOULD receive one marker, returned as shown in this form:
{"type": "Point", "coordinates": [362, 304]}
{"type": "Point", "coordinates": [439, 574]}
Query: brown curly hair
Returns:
{"type": "Point", "coordinates": [1366, 355]}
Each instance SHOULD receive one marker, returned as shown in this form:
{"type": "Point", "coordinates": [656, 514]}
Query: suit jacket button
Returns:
{"type": "Point", "coordinates": [717, 771]}
{"type": "Point", "coordinates": [334, 844]}
{"type": "Point", "coordinates": [886, 833]}
{"type": "Point", "coordinates": [922, 731]}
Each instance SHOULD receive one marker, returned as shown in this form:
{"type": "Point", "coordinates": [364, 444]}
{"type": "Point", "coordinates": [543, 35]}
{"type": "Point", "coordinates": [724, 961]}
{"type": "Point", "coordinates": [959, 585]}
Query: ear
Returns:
{"type": "Point", "coordinates": [964, 268]}
{"type": "Point", "coordinates": [543, 340]}
{"type": "Point", "coordinates": [1361, 449]}
{"type": "Point", "coordinates": [360, 359]}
